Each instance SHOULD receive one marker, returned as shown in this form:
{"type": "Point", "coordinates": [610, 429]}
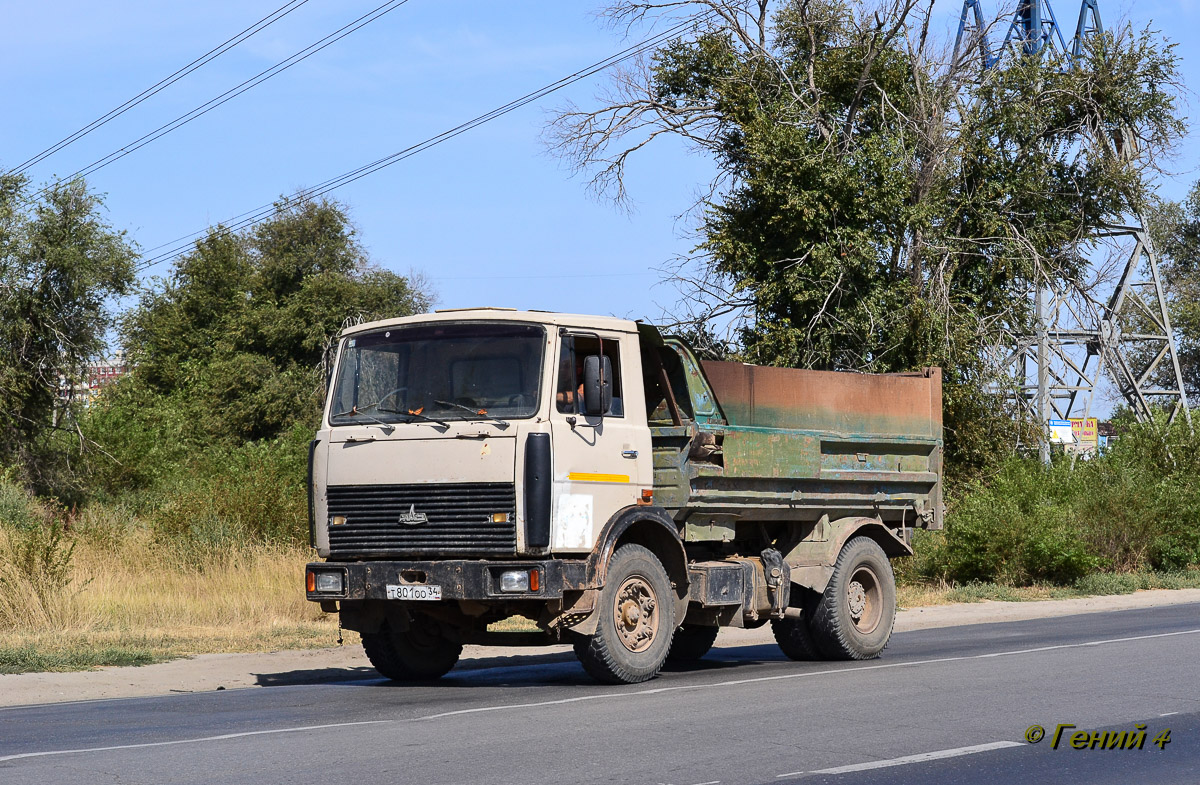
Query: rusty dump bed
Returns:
{"type": "Point", "coordinates": [899, 404]}
{"type": "Point", "coordinates": [831, 443]}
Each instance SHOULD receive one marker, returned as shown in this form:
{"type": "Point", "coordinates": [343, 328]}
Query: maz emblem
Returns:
{"type": "Point", "coordinates": [412, 517]}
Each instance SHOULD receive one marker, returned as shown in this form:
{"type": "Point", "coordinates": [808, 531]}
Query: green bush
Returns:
{"type": "Point", "coordinates": [1175, 551]}
{"type": "Point", "coordinates": [1111, 583]}
{"type": "Point", "coordinates": [1134, 509]}
{"type": "Point", "coordinates": [18, 510]}
{"type": "Point", "coordinates": [138, 441]}
{"type": "Point", "coordinates": [236, 496]}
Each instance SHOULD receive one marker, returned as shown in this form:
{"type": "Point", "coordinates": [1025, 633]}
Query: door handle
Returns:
{"type": "Point", "coordinates": [629, 454]}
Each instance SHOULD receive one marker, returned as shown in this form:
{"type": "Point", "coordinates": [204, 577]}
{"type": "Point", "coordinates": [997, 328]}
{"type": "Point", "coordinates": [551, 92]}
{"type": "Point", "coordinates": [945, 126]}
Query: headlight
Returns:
{"type": "Point", "coordinates": [514, 580]}
{"type": "Point", "coordinates": [329, 582]}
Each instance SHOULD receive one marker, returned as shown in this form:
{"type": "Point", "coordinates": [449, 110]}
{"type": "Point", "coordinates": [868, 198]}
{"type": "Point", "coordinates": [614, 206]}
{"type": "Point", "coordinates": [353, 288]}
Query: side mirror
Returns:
{"type": "Point", "coordinates": [597, 397]}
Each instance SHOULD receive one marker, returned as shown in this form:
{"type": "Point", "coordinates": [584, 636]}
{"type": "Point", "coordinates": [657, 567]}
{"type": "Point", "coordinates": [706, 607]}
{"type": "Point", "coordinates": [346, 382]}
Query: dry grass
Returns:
{"type": "Point", "coordinates": [127, 601]}
{"type": "Point", "coordinates": [139, 587]}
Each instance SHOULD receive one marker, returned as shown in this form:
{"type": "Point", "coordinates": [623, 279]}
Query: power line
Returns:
{"type": "Point", "coordinates": [232, 92]}
{"type": "Point", "coordinates": [539, 277]}
{"type": "Point", "coordinates": [259, 214]}
{"type": "Point", "coordinates": [162, 84]}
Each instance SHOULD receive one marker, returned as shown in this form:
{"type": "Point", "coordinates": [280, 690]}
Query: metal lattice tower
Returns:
{"type": "Point", "coordinates": [1080, 335]}
{"type": "Point", "coordinates": [1034, 28]}
{"type": "Point", "coordinates": [973, 33]}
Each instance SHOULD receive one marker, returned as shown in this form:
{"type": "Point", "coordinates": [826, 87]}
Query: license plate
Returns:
{"type": "Point", "coordinates": [406, 592]}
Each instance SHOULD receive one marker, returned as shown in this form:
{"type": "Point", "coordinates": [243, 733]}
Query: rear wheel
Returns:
{"type": "Point", "coordinates": [691, 642]}
{"type": "Point", "coordinates": [853, 620]}
{"type": "Point", "coordinates": [794, 639]}
{"type": "Point", "coordinates": [420, 653]}
{"type": "Point", "coordinates": [792, 632]}
{"type": "Point", "coordinates": [636, 620]}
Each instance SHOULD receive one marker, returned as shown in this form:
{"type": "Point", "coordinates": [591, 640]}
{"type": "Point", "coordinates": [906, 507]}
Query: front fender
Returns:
{"type": "Point", "coordinates": [653, 528]}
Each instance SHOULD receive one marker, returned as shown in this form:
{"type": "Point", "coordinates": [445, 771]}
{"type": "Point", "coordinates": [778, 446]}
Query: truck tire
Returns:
{"type": "Point", "coordinates": [422, 653]}
{"type": "Point", "coordinates": [691, 642]}
{"type": "Point", "coordinates": [636, 621]}
{"type": "Point", "coordinates": [854, 618]}
{"type": "Point", "coordinates": [795, 640]}
{"type": "Point", "coordinates": [792, 633]}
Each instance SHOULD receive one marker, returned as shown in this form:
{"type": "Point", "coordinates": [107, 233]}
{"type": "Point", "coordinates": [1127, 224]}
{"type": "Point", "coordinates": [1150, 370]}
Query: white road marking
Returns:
{"type": "Point", "coordinates": [1169, 714]}
{"type": "Point", "coordinates": [920, 758]}
{"type": "Point", "coordinates": [787, 676]}
{"type": "Point", "coordinates": [222, 737]}
{"type": "Point", "coordinates": [607, 696]}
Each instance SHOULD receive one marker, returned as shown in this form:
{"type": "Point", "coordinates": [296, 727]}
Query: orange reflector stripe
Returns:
{"type": "Point", "coordinates": [533, 580]}
{"type": "Point", "coordinates": [590, 477]}
{"type": "Point", "coordinates": [311, 580]}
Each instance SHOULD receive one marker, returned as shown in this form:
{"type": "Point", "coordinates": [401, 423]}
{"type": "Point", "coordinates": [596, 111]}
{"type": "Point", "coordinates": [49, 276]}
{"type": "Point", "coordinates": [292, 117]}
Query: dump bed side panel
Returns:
{"type": "Point", "coordinates": [826, 443]}
{"type": "Point", "coordinates": [901, 404]}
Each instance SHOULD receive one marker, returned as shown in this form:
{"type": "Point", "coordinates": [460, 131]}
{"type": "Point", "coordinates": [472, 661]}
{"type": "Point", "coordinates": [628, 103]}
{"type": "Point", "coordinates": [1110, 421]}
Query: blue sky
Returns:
{"type": "Point", "coordinates": [489, 217]}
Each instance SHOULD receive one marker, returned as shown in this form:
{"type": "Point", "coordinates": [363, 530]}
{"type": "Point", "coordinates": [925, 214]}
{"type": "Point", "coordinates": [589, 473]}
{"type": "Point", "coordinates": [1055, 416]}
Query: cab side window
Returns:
{"type": "Point", "coordinates": [569, 395]}
{"type": "Point", "coordinates": [565, 393]}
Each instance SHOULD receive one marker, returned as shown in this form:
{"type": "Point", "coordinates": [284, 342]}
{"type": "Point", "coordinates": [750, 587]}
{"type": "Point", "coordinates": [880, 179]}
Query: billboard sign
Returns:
{"type": "Point", "coordinates": [1061, 432]}
{"type": "Point", "coordinates": [1086, 432]}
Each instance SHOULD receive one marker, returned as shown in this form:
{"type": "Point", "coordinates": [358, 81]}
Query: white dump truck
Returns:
{"type": "Point", "coordinates": [595, 477]}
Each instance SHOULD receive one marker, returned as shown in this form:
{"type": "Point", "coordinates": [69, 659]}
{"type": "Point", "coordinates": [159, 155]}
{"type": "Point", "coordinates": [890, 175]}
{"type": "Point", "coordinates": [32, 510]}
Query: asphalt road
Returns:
{"type": "Point", "coordinates": [947, 705]}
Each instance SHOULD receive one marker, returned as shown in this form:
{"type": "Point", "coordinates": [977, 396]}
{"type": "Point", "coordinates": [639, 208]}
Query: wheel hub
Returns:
{"type": "Point", "coordinates": [857, 597]}
{"type": "Point", "coordinates": [865, 599]}
{"type": "Point", "coordinates": [634, 612]}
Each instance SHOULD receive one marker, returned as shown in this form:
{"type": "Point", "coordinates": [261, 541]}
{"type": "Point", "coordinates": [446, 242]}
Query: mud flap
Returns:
{"type": "Point", "coordinates": [578, 613]}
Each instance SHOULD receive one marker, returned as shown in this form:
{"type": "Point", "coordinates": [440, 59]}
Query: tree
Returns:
{"type": "Point", "coordinates": [879, 206]}
{"type": "Point", "coordinates": [61, 265]}
{"type": "Point", "coordinates": [235, 335]}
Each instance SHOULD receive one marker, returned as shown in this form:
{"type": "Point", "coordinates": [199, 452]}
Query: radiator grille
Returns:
{"type": "Point", "coordinates": [459, 519]}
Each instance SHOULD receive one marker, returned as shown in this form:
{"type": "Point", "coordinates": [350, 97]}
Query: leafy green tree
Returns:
{"type": "Point", "coordinates": [61, 265]}
{"type": "Point", "coordinates": [879, 206]}
{"type": "Point", "coordinates": [235, 336]}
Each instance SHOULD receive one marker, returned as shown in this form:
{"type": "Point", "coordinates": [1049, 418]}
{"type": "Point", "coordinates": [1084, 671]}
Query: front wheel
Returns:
{"type": "Point", "coordinates": [854, 618]}
{"type": "Point", "coordinates": [420, 653]}
{"type": "Point", "coordinates": [636, 621]}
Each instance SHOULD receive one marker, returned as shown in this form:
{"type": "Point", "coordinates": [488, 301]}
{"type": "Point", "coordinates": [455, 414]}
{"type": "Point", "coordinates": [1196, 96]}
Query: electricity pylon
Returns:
{"type": "Point", "coordinates": [1080, 335]}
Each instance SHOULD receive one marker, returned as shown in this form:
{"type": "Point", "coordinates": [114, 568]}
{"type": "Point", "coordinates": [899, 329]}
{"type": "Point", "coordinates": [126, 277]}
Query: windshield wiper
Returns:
{"type": "Point", "coordinates": [416, 416]}
{"type": "Point", "coordinates": [477, 412]}
{"type": "Point", "coordinates": [354, 411]}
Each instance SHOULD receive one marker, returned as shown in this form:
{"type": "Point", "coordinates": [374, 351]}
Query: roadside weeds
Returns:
{"type": "Point", "coordinates": [138, 608]}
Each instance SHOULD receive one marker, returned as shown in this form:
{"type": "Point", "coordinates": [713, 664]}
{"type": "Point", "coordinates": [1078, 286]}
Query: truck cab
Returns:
{"type": "Point", "coordinates": [580, 472]}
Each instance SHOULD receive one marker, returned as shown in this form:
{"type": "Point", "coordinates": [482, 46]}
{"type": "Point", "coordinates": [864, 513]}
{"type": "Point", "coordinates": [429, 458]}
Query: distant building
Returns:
{"type": "Point", "coordinates": [104, 373]}
{"type": "Point", "coordinates": [95, 378]}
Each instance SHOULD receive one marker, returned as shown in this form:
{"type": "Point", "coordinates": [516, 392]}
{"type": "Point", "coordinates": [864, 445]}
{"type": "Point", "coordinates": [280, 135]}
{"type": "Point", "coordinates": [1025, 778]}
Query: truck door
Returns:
{"type": "Point", "coordinates": [597, 470]}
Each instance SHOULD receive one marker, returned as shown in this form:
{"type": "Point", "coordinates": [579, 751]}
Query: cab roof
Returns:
{"type": "Point", "coordinates": [502, 315]}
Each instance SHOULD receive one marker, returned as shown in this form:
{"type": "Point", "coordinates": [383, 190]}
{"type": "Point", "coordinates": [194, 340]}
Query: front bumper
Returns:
{"type": "Point", "coordinates": [459, 580]}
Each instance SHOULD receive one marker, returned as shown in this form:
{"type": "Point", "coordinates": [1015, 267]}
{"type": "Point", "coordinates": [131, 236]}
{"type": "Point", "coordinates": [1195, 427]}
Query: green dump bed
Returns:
{"type": "Point", "coordinates": [799, 444]}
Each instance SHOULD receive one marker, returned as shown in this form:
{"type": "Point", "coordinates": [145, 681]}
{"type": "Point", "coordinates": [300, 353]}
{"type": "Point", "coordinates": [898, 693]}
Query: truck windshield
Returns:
{"type": "Point", "coordinates": [439, 372]}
